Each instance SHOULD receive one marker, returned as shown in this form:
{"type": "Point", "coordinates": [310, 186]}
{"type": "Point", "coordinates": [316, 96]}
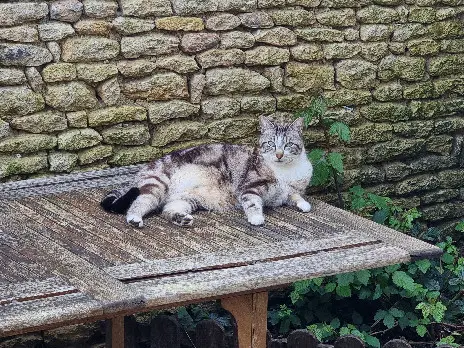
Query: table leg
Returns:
{"type": "Point", "coordinates": [250, 313]}
{"type": "Point", "coordinates": [115, 333]}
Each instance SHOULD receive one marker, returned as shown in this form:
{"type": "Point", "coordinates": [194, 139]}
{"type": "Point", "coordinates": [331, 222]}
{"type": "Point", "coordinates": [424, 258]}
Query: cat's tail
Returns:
{"type": "Point", "coordinates": [118, 201]}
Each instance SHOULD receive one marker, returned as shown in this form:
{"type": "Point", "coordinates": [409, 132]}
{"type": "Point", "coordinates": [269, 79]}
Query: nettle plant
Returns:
{"type": "Point", "coordinates": [422, 300]}
{"type": "Point", "coordinates": [328, 164]}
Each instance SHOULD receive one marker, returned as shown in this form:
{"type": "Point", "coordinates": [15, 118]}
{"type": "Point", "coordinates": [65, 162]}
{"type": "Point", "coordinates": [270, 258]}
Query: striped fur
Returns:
{"type": "Point", "coordinates": [220, 176]}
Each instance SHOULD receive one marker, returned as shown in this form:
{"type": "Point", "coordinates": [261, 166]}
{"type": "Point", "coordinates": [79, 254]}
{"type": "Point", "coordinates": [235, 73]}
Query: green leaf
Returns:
{"type": "Point", "coordinates": [438, 312]}
{"type": "Point", "coordinates": [397, 313]}
{"type": "Point", "coordinates": [344, 331]}
{"type": "Point", "coordinates": [330, 287]}
{"type": "Point", "coordinates": [423, 265]}
{"type": "Point", "coordinates": [377, 292]}
{"type": "Point", "coordinates": [364, 293]}
{"type": "Point", "coordinates": [460, 226]}
{"type": "Point", "coordinates": [372, 341]}
{"type": "Point", "coordinates": [421, 330]}
{"type": "Point", "coordinates": [403, 280]}
{"type": "Point", "coordinates": [335, 323]}
{"type": "Point", "coordinates": [316, 155]}
{"type": "Point", "coordinates": [345, 279]}
{"type": "Point", "coordinates": [380, 216]}
{"type": "Point", "coordinates": [389, 320]}
{"type": "Point", "coordinates": [403, 322]}
{"type": "Point", "coordinates": [380, 314]}
{"type": "Point", "coordinates": [343, 291]}
{"type": "Point", "coordinates": [336, 161]}
{"type": "Point", "coordinates": [392, 268]}
{"type": "Point", "coordinates": [318, 281]}
{"type": "Point", "coordinates": [447, 258]}
{"type": "Point", "coordinates": [363, 276]}
{"type": "Point", "coordinates": [341, 130]}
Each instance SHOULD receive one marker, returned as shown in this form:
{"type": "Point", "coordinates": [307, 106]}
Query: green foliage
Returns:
{"type": "Point", "coordinates": [411, 299]}
{"type": "Point", "coordinates": [328, 165]}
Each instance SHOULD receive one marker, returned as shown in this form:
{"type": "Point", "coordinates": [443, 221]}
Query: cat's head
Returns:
{"type": "Point", "coordinates": [281, 143]}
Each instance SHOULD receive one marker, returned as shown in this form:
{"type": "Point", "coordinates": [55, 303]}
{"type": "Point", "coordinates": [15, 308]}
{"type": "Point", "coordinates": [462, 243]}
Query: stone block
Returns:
{"type": "Point", "coordinates": [255, 20]}
{"type": "Point", "coordinates": [53, 31]}
{"type": "Point", "coordinates": [417, 184]}
{"type": "Point", "coordinates": [89, 48]}
{"type": "Point", "coordinates": [278, 36]}
{"type": "Point", "coordinates": [163, 111]}
{"type": "Point", "coordinates": [443, 211]}
{"type": "Point", "coordinates": [222, 21]}
{"type": "Point", "coordinates": [76, 139]}
{"type": "Point", "coordinates": [371, 133]}
{"type": "Point", "coordinates": [197, 85]}
{"type": "Point", "coordinates": [422, 14]}
{"type": "Point", "coordinates": [452, 178]}
{"type": "Point", "coordinates": [77, 119]}
{"type": "Point", "coordinates": [132, 155]}
{"type": "Point", "coordinates": [66, 10]}
{"type": "Point", "coordinates": [152, 44]}
{"type": "Point", "coordinates": [22, 33]}
{"type": "Point", "coordinates": [377, 14]}
{"type": "Point", "coordinates": [395, 171]}
{"type": "Point", "coordinates": [439, 196]}
{"type": "Point", "coordinates": [62, 161]}
{"type": "Point", "coordinates": [445, 29]}
{"type": "Point", "coordinates": [396, 148]}
{"type": "Point", "coordinates": [11, 76]}
{"type": "Point", "coordinates": [293, 17]}
{"type": "Point", "coordinates": [375, 32]}
{"type": "Point", "coordinates": [26, 143]}
{"type": "Point", "coordinates": [22, 165]}
{"type": "Point", "coordinates": [440, 144]}
{"type": "Point", "coordinates": [416, 129]}
{"type": "Point", "coordinates": [303, 77]}
{"type": "Point", "coordinates": [432, 163]}
{"type": "Point", "coordinates": [35, 79]}
{"type": "Point", "coordinates": [177, 23]}
{"type": "Point", "coordinates": [19, 100]}
{"type": "Point", "coordinates": [116, 114]}
{"type": "Point", "coordinates": [336, 18]}
{"type": "Point", "coordinates": [95, 154]}
{"type": "Point", "coordinates": [70, 96]}
{"type": "Point", "coordinates": [342, 50]}
{"type": "Point", "coordinates": [42, 122]}
{"type": "Point", "coordinates": [423, 47]}
{"type": "Point", "coordinates": [228, 129]}
{"type": "Point", "coordinates": [148, 8]}
{"type": "Point", "coordinates": [136, 68]}
{"type": "Point", "coordinates": [57, 72]}
{"type": "Point", "coordinates": [21, 12]}
{"type": "Point", "coordinates": [320, 34]}
{"type": "Point", "coordinates": [198, 42]}
{"type": "Point", "coordinates": [307, 52]}
{"type": "Point", "coordinates": [386, 112]}
{"type": "Point", "coordinates": [109, 91]}
{"type": "Point", "coordinates": [220, 57]}
{"type": "Point", "coordinates": [99, 27]}
{"type": "Point", "coordinates": [275, 75]}
{"type": "Point", "coordinates": [344, 97]}
{"type": "Point", "coordinates": [136, 134]}
{"type": "Point", "coordinates": [449, 125]}
{"type": "Point", "coordinates": [100, 8]}
{"type": "Point", "coordinates": [403, 67]}
{"type": "Point", "coordinates": [160, 86]}
{"type": "Point", "coordinates": [179, 131]}
{"type": "Point", "coordinates": [24, 55]}
{"type": "Point", "coordinates": [225, 81]}
{"type": "Point", "coordinates": [374, 51]}
{"type": "Point", "coordinates": [356, 74]}
{"type": "Point", "coordinates": [267, 55]}
{"type": "Point", "coordinates": [452, 46]}
{"type": "Point", "coordinates": [237, 39]}
{"type": "Point", "coordinates": [293, 102]}
{"type": "Point", "coordinates": [449, 64]}
{"type": "Point", "coordinates": [130, 26]}
{"type": "Point", "coordinates": [258, 104]}
{"type": "Point", "coordinates": [220, 107]}
{"type": "Point", "coordinates": [180, 63]}
{"type": "Point", "coordinates": [419, 90]}
{"type": "Point", "coordinates": [93, 73]}
{"type": "Point", "coordinates": [237, 5]}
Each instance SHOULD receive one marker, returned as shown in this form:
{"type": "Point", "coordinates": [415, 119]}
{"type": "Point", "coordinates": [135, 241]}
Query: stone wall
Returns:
{"type": "Point", "coordinates": [96, 83]}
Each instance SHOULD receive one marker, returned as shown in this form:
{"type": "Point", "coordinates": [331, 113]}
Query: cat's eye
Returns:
{"type": "Point", "coordinates": [271, 143]}
{"type": "Point", "coordinates": [290, 144]}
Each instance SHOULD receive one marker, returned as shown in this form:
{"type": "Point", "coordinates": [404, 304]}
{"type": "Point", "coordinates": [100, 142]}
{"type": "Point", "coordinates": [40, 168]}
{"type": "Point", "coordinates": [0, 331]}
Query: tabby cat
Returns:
{"type": "Point", "coordinates": [218, 176]}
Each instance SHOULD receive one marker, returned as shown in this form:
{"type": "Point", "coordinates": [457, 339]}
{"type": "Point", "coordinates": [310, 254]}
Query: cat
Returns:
{"type": "Point", "coordinates": [219, 176]}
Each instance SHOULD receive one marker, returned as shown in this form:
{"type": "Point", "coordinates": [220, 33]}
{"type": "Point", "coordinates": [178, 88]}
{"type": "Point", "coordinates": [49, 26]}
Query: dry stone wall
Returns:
{"type": "Point", "coordinates": [95, 83]}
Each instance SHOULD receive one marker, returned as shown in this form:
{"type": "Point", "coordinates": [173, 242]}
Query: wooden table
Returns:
{"type": "Point", "coordinates": [63, 260]}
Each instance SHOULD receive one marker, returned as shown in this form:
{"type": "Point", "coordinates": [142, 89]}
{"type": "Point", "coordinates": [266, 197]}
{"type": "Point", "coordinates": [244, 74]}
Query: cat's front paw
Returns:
{"type": "Point", "coordinates": [182, 219]}
{"type": "Point", "coordinates": [256, 220]}
{"type": "Point", "coordinates": [135, 220]}
{"type": "Point", "coordinates": [304, 206]}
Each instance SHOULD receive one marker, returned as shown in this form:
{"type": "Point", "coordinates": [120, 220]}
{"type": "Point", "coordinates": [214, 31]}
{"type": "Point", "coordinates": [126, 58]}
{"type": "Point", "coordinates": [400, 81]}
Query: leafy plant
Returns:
{"type": "Point", "coordinates": [327, 164]}
{"type": "Point", "coordinates": [422, 299]}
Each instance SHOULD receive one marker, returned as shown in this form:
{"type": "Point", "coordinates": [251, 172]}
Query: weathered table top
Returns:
{"type": "Point", "coordinates": [64, 260]}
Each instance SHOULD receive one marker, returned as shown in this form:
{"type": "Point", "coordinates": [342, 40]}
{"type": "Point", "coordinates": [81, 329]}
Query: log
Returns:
{"type": "Point", "coordinates": [396, 343]}
{"type": "Point", "coordinates": [301, 339]}
{"type": "Point", "coordinates": [349, 341]}
{"type": "Point", "coordinates": [165, 332]}
{"type": "Point", "coordinates": [208, 334]}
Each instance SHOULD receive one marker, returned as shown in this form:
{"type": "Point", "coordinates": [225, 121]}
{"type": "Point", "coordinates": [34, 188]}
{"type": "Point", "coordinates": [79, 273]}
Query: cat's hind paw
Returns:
{"type": "Point", "coordinates": [256, 220]}
{"type": "Point", "coordinates": [182, 219]}
{"type": "Point", "coordinates": [304, 206]}
{"type": "Point", "coordinates": [135, 220]}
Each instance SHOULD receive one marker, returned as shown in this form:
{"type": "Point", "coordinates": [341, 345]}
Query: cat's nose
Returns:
{"type": "Point", "coordinates": [279, 154]}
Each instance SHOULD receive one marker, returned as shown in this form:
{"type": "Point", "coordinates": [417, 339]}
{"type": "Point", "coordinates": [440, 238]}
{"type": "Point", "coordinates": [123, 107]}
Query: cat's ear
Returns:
{"type": "Point", "coordinates": [265, 123]}
{"type": "Point", "coordinates": [297, 125]}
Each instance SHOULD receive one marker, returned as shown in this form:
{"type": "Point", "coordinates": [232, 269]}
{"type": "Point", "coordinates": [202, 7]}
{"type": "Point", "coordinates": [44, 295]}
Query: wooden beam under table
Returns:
{"type": "Point", "coordinates": [115, 333]}
{"type": "Point", "coordinates": [250, 313]}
